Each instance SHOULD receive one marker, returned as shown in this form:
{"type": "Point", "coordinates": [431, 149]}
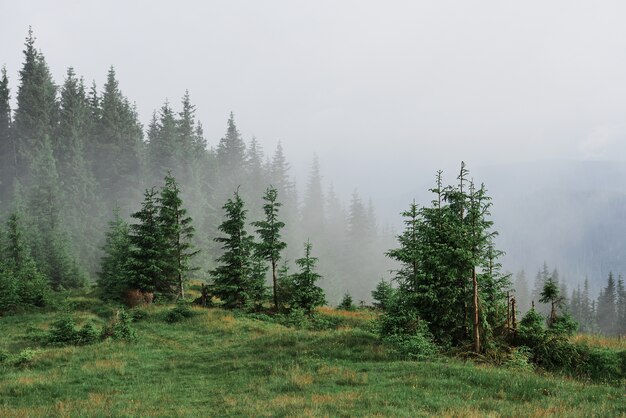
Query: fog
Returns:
{"type": "Point", "coordinates": [384, 93]}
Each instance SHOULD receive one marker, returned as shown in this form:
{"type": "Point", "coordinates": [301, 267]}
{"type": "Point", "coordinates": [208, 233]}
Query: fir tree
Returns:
{"type": "Point", "coordinates": [620, 307]}
{"type": "Point", "coordinates": [163, 143]}
{"type": "Point", "coordinates": [146, 263]}
{"type": "Point", "coordinates": [551, 294]}
{"type": "Point", "coordinates": [178, 233]}
{"type": "Point", "coordinates": [306, 295]}
{"type": "Point", "coordinates": [115, 149]}
{"type": "Point", "coordinates": [232, 279]}
{"type": "Point", "coordinates": [83, 213]}
{"type": "Point", "coordinates": [7, 149]}
{"type": "Point", "coordinates": [30, 285]}
{"type": "Point", "coordinates": [606, 311]}
{"type": "Point", "coordinates": [346, 303]}
{"type": "Point", "coordinates": [313, 209]}
{"type": "Point", "coordinates": [36, 112]}
{"type": "Point", "coordinates": [50, 245]}
{"type": "Point", "coordinates": [115, 274]}
{"type": "Point", "coordinates": [269, 231]}
{"type": "Point", "coordinates": [382, 295]}
{"type": "Point", "coordinates": [231, 157]}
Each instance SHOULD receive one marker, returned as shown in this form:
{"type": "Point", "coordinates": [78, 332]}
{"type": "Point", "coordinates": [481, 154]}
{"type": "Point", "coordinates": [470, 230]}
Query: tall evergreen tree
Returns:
{"type": "Point", "coordinates": [606, 311]}
{"type": "Point", "coordinates": [36, 112]}
{"type": "Point", "coordinates": [620, 307]}
{"type": "Point", "coordinates": [50, 244]}
{"type": "Point", "coordinates": [115, 274]}
{"type": "Point", "coordinates": [115, 150]}
{"type": "Point", "coordinates": [231, 158]}
{"type": "Point", "coordinates": [146, 262]}
{"type": "Point", "coordinates": [7, 149]}
{"type": "Point", "coordinates": [163, 144]}
{"type": "Point", "coordinates": [178, 233]}
{"type": "Point", "coordinates": [232, 279]}
{"type": "Point", "coordinates": [82, 211]}
{"type": "Point", "coordinates": [269, 231]}
{"type": "Point", "coordinates": [313, 210]}
{"type": "Point", "coordinates": [30, 285]}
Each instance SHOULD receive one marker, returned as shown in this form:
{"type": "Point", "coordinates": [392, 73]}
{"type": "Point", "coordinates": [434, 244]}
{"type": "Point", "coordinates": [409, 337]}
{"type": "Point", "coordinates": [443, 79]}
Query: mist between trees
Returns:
{"type": "Point", "coordinates": [74, 158]}
{"type": "Point", "coordinates": [72, 154]}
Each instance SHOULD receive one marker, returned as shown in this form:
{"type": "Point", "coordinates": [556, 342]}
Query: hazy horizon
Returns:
{"type": "Point", "coordinates": [378, 93]}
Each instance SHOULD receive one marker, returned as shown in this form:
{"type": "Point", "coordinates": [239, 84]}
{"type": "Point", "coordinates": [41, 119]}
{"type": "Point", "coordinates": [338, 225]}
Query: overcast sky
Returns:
{"type": "Point", "coordinates": [380, 90]}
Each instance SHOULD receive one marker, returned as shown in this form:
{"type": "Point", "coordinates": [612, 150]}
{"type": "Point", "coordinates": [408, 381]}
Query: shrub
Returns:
{"type": "Point", "coordinates": [180, 312]}
{"type": "Point", "coordinates": [25, 357]}
{"type": "Point", "coordinates": [418, 346]}
{"type": "Point", "coordinates": [63, 331]}
{"type": "Point", "coordinates": [519, 358]}
{"type": "Point", "coordinates": [121, 329]}
{"type": "Point", "coordinates": [296, 318]}
{"type": "Point", "coordinates": [138, 314]}
{"type": "Point", "coordinates": [88, 334]}
{"type": "Point", "coordinates": [564, 325]}
{"type": "Point", "coordinates": [3, 356]}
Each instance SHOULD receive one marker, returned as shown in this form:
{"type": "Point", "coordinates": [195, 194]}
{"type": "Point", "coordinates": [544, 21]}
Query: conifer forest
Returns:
{"type": "Point", "coordinates": [151, 268]}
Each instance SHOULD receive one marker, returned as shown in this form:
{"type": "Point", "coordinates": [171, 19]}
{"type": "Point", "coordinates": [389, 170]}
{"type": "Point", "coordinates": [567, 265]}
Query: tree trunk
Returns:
{"type": "Point", "coordinates": [275, 284]}
{"type": "Point", "coordinates": [476, 331]}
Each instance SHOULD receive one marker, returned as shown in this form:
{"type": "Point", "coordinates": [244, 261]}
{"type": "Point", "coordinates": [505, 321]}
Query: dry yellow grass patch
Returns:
{"type": "Point", "coordinates": [335, 398]}
{"type": "Point", "coordinates": [28, 380]}
{"type": "Point", "coordinates": [365, 315]}
{"type": "Point", "coordinates": [286, 401]}
{"type": "Point", "coordinates": [618, 342]}
{"type": "Point", "coordinates": [24, 412]}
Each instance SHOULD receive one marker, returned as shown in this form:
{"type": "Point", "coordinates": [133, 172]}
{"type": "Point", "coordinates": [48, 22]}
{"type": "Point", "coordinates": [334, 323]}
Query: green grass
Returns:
{"type": "Point", "coordinates": [220, 364]}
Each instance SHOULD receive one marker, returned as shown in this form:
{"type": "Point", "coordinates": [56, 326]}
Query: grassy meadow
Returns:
{"type": "Point", "coordinates": [220, 363]}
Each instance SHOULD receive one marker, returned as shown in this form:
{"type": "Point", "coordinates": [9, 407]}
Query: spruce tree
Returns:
{"type": "Point", "coordinates": [30, 285]}
{"type": "Point", "coordinates": [620, 307]}
{"type": "Point", "coordinates": [232, 279]}
{"type": "Point", "coordinates": [49, 240]}
{"type": "Point", "coordinates": [551, 294]}
{"type": "Point", "coordinates": [313, 209]}
{"type": "Point", "coordinates": [231, 158]}
{"type": "Point", "coordinates": [115, 275]}
{"type": "Point", "coordinates": [36, 112]}
{"type": "Point", "coordinates": [306, 295]}
{"type": "Point", "coordinates": [115, 151]}
{"type": "Point", "coordinates": [269, 231]}
{"type": "Point", "coordinates": [7, 148]}
{"type": "Point", "coordinates": [178, 232]}
{"type": "Point", "coordinates": [82, 213]}
{"type": "Point", "coordinates": [148, 247]}
{"type": "Point", "coordinates": [162, 146]}
{"type": "Point", "coordinates": [606, 309]}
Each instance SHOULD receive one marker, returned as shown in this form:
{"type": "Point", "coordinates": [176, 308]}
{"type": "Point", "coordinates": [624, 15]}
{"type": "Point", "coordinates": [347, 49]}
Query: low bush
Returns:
{"type": "Point", "coordinates": [63, 332]}
{"type": "Point", "coordinates": [553, 351]}
{"type": "Point", "coordinates": [121, 329]}
{"type": "Point", "coordinates": [180, 312]}
{"type": "Point", "coordinates": [138, 314]}
{"type": "Point", "coordinates": [25, 357]}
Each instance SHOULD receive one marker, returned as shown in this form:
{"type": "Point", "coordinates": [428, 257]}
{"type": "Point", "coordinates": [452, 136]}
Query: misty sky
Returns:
{"type": "Point", "coordinates": [379, 90]}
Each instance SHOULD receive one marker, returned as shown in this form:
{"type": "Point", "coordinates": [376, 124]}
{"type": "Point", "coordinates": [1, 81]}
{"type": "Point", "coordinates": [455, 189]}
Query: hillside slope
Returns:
{"type": "Point", "coordinates": [220, 364]}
